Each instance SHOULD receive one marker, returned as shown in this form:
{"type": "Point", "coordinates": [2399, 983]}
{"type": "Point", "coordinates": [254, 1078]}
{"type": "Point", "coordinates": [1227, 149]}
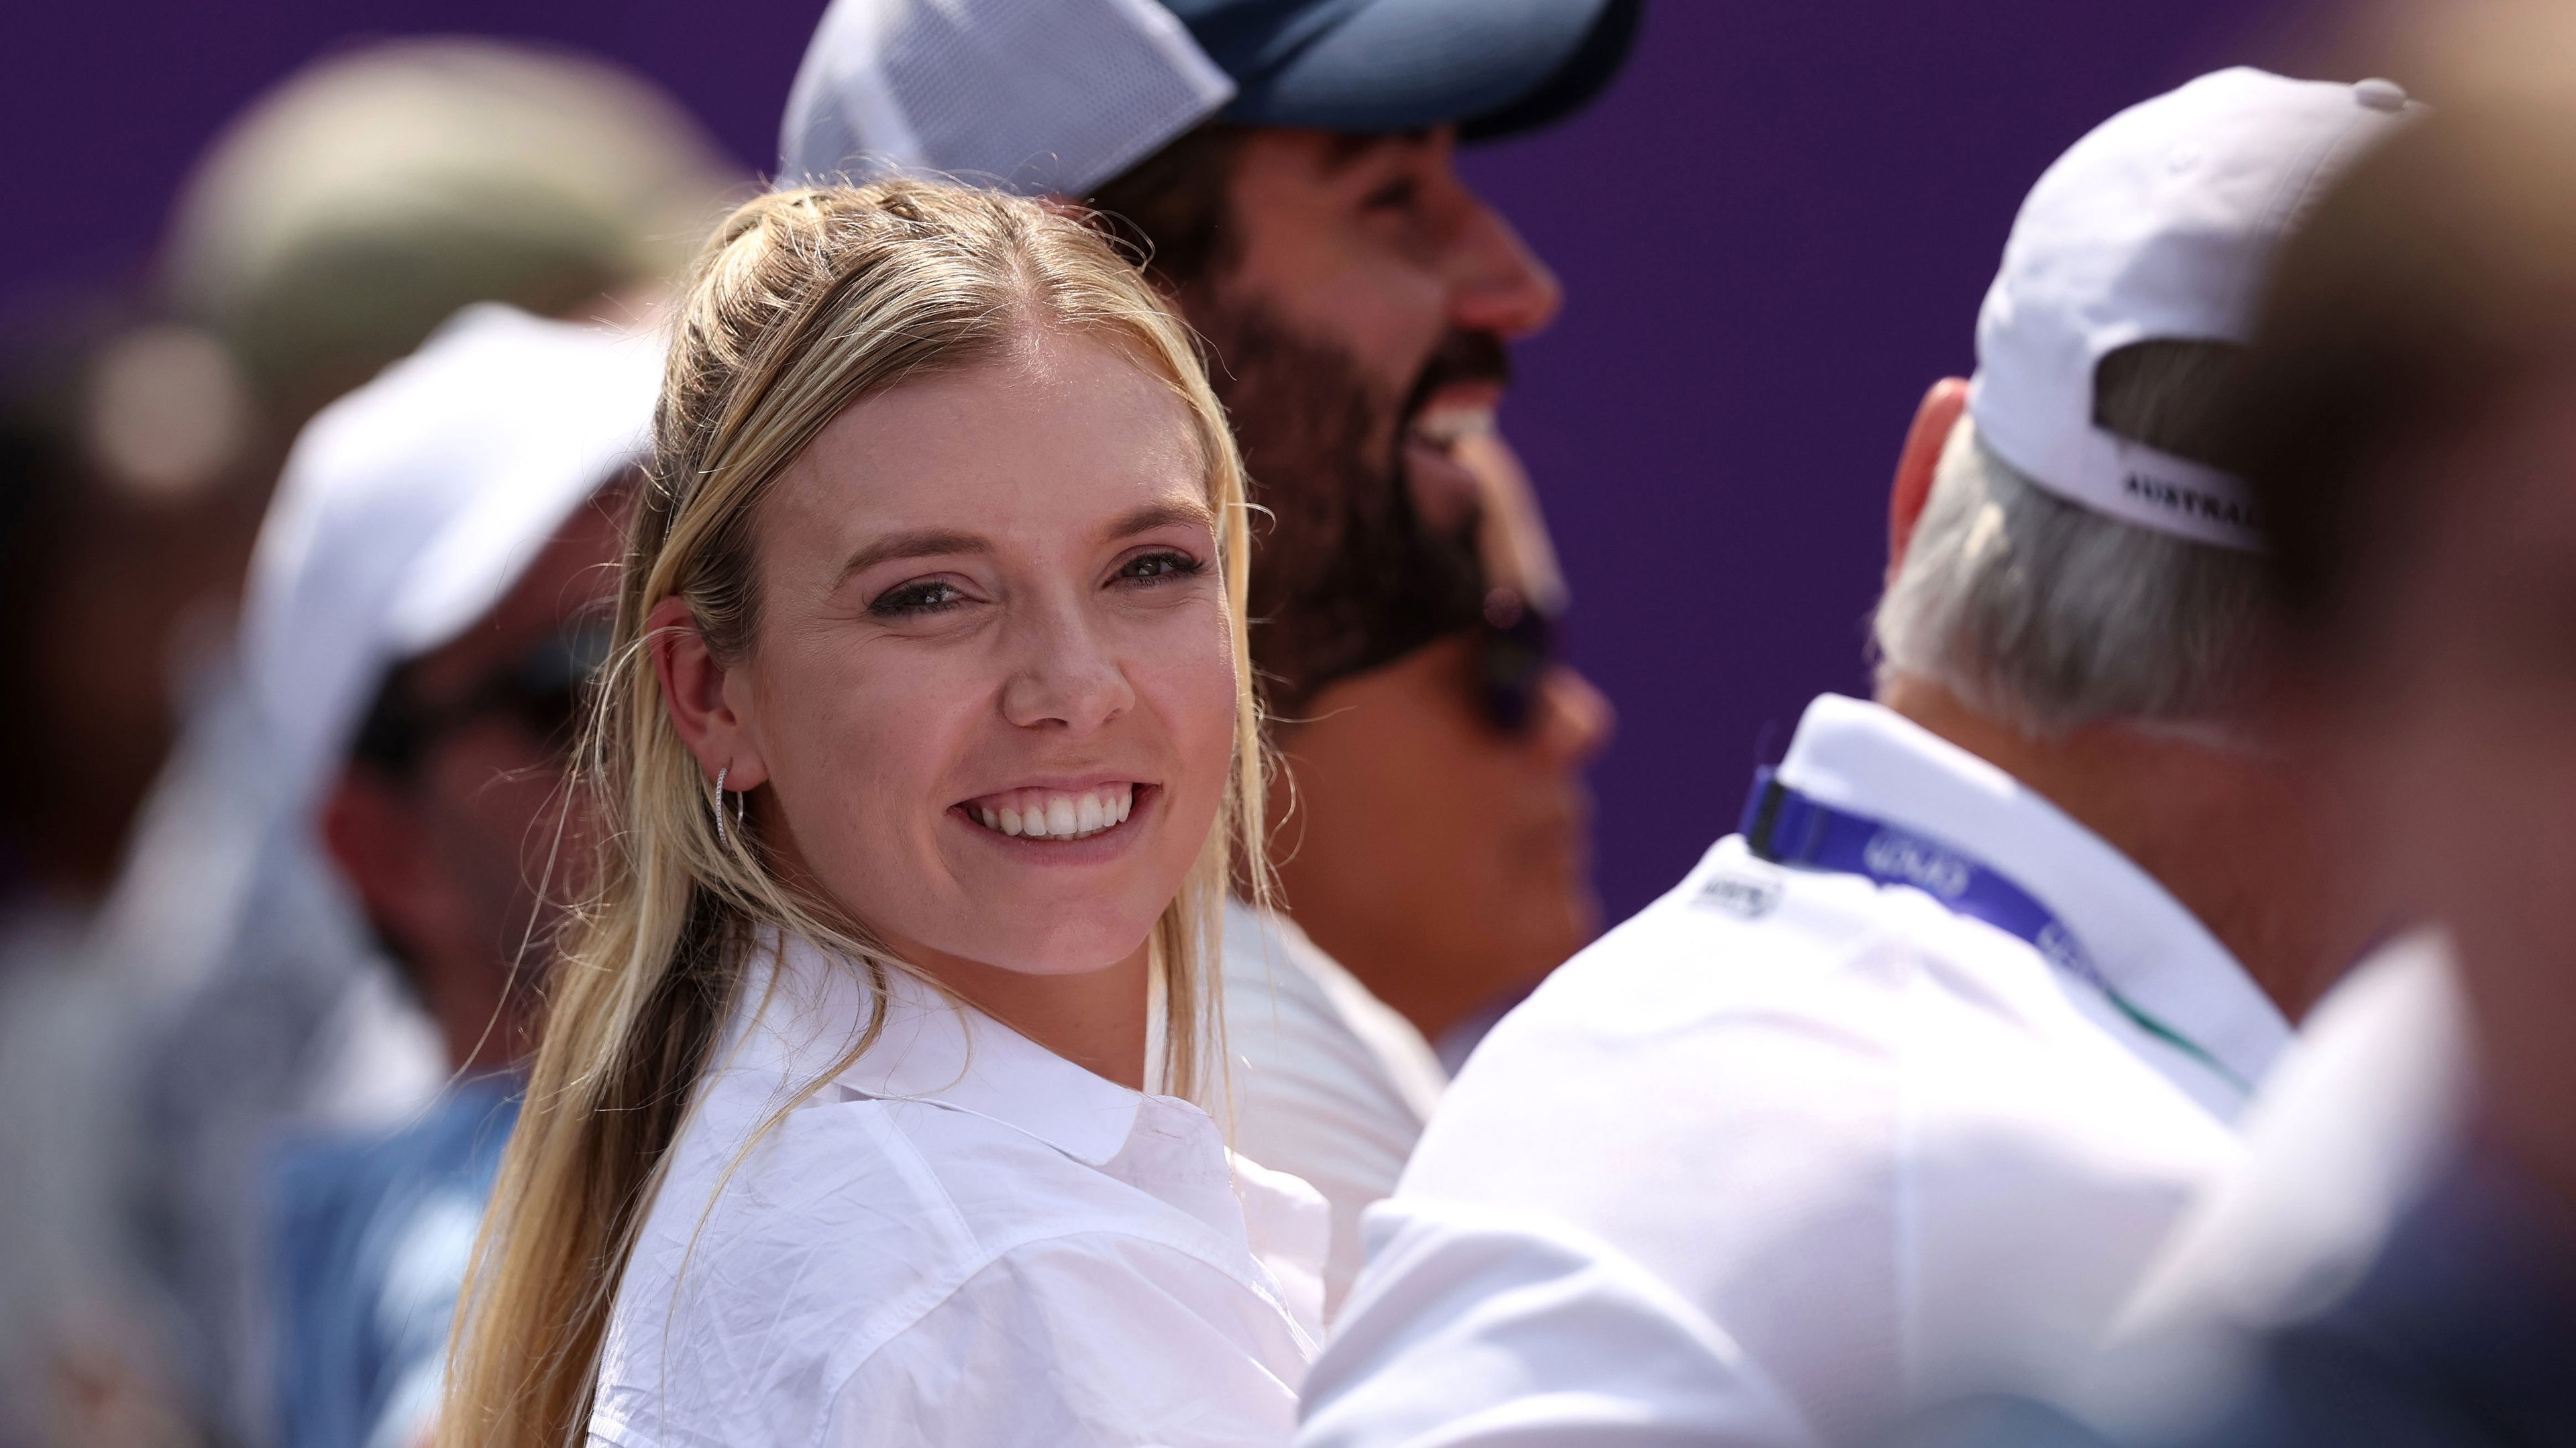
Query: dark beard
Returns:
{"type": "Point", "coordinates": [1346, 573]}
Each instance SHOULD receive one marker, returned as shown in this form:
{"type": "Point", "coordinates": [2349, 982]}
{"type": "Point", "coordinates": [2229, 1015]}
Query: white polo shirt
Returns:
{"type": "Point", "coordinates": [963, 1238]}
{"type": "Point", "coordinates": [1888, 1154]}
{"type": "Point", "coordinates": [1328, 1083]}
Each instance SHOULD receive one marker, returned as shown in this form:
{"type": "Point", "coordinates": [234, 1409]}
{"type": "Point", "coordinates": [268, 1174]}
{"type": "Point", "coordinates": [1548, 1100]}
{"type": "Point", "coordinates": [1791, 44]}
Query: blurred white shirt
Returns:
{"type": "Point", "coordinates": [2345, 1138]}
{"type": "Point", "coordinates": [1884, 1154]}
{"type": "Point", "coordinates": [1328, 1083]}
{"type": "Point", "coordinates": [962, 1238]}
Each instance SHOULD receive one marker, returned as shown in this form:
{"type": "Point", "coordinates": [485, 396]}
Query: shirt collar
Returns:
{"type": "Point", "coordinates": [1868, 759]}
{"type": "Point", "coordinates": [804, 1010]}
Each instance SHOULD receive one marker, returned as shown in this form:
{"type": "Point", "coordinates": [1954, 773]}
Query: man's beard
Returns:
{"type": "Point", "coordinates": [1347, 573]}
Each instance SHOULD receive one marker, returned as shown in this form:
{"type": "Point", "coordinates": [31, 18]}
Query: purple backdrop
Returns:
{"type": "Point", "coordinates": [1773, 234]}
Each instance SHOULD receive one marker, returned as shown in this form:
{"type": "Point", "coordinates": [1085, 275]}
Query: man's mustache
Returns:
{"type": "Point", "coordinates": [1461, 357]}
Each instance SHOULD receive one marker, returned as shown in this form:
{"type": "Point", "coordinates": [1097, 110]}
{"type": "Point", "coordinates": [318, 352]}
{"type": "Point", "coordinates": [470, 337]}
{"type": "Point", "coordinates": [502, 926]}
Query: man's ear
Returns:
{"type": "Point", "coordinates": [705, 712]}
{"type": "Point", "coordinates": [1933, 421]}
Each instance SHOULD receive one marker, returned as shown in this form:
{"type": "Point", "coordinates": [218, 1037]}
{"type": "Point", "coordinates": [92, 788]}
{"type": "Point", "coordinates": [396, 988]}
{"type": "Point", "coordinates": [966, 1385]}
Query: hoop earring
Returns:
{"type": "Point", "coordinates": [721, 841]}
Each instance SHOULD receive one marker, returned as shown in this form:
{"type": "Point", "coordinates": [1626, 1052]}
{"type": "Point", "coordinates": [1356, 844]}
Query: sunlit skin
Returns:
{"type": "Point", "coordinates": [992, 580]}
{"type": "Point", "coordinates": [1446, 864]}
{"type": "Point", "coordinates": [1378, 245]}
{"type": "Point", "coordinates": [463, 867]}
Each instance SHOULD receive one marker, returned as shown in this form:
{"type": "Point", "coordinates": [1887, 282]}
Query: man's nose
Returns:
{"type": "Point", "coordinates": [1575, 719]}
{"type": "Point", "coordinates": [1498, 284]}
{"type": "Point", "coordinates": [1064, 677]}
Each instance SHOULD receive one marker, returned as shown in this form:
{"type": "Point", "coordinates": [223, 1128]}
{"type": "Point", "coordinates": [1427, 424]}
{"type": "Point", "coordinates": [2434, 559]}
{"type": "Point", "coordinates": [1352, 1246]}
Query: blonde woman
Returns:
{"type": "Point", "coordinates": [861, 1114]}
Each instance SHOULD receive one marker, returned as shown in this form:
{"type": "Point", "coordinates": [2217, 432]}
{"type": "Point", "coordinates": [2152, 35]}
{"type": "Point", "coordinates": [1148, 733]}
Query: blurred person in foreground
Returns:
{"type": "Point", "coordinates": [1290, 168]}
{"type": "Point", "coordinates": [428, 600]}
{"type": "Point", "coordinates": [1895, 1093]}
{"type": "Point", "coordinates": [2396, 1264]}
{"type": "Point", "coordinates": [325, 234]}
{"type": "Point", "coordinates": [119, 435]}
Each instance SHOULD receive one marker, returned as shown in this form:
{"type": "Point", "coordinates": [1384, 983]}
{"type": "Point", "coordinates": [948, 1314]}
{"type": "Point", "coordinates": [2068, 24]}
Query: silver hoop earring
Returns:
{"type": "Point", "coordinates": [721, 841]}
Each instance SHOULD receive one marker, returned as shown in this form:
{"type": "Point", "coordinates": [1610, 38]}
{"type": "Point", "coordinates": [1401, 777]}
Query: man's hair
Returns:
{"type": "Point", "coordinates": [1173, 207]}
{"type": "Point", "coordinates": [2048, 615]}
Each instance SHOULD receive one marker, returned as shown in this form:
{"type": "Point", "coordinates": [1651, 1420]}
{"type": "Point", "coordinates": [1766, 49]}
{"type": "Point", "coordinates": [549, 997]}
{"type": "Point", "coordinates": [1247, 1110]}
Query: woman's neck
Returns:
{"type": "Point", "coordinates": [1096, 1019]}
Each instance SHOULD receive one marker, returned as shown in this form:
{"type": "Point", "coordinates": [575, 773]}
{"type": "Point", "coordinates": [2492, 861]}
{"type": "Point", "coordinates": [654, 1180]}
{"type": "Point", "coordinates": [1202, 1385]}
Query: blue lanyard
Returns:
{"type": "Point", "coordinates": [1789, 828]}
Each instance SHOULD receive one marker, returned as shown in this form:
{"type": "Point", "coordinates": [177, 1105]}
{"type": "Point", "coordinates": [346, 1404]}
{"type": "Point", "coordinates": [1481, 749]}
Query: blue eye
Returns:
{"type": "Point", "coordinates": [914, 599]}
{"type": "Point", "coordinates": [1160, 566]}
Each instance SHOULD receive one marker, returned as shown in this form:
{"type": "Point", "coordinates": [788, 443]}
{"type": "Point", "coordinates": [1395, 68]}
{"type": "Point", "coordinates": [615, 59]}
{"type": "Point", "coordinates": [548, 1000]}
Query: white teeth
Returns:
{"type": "Point", "coordinates": [1056, 816]}
{"type": "Point", "coordinates": [1445, 425]}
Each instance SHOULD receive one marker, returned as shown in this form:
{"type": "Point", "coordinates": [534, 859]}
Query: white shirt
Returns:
{"type": "Point", "coordinates": [963, 1238]}
{"type": "Point", "coordinates": [1328, 1083]}
{"type": "Point", "coordinates": [2345, 1137]}
{"type": "Point", "coordinates": [1887, 1152]}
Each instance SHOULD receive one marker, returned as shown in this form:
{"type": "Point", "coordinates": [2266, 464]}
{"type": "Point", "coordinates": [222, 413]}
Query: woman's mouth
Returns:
{"type": "Point", "coordinates": [1054, 814]}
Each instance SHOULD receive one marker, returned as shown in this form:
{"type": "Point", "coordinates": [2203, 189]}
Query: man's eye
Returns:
{"type": "Point", "coordinates": [1160, 567]}
{"type": "Point", "coordinates": [1395, 195]}
{"type": "Point", "coordinates": [913, 599]}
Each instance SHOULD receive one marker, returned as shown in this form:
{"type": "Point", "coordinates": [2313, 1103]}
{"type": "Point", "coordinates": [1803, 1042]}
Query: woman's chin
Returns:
{"type": "Point", "coordinates": [1079, 945]}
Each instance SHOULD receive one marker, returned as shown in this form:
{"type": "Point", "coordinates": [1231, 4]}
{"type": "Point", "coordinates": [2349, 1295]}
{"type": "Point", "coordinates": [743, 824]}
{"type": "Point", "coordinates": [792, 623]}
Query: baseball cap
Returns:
{"type": "Point", "coordinates": [410, 507]}
{"type": "Point", "coordinates": [1063, 96]}
{"type": "Point", "coordinates": [2160, 225]}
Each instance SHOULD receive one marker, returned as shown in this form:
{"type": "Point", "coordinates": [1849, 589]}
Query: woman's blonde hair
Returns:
{"type": "Point", "coordinates": [802, 303]}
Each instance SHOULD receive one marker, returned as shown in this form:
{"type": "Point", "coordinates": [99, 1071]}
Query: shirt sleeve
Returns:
{"type": "Point", "coordinates": [1094, 1339]}
{"type": "Point", "coordinates": [1737, 1135]}
{"type": "Point", "coordinates": [1479, 1329]}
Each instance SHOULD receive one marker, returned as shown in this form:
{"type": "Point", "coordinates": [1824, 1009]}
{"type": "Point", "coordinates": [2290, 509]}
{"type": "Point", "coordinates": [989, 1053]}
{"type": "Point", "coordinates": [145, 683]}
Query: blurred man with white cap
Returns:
{"type": "Point", "coordinates": [385, 759]}
{"type": "Point", "coordinates": [1897, 1091]}
{"type": "Point", "coordinates": [425, 605]}
{"type": "Point", "coordinates": [1288, 167]}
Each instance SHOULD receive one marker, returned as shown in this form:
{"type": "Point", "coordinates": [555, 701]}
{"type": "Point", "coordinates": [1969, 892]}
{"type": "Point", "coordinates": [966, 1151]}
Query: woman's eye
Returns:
{"type": "Point", "coordinates": [913, 599]}
{"type": "Point", "coordinates": [1161, 566]}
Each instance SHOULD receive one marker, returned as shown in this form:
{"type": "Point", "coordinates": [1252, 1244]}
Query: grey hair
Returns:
{"type": "Point", "coordinates": [2049, 616]}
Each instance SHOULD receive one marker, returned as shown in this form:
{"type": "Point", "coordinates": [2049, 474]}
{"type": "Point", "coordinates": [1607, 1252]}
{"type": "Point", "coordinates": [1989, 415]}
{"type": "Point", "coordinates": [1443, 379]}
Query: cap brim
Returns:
{"type": "Point", "coordinates": [1491, 67]}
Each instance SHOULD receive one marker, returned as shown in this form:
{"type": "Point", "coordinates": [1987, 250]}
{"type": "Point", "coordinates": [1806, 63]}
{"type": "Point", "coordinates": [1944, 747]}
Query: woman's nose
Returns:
{"type": "Point", "coordinates": [1065, 678]}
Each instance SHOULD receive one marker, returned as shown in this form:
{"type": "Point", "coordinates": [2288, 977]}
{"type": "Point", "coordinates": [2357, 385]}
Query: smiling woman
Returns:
{"type": "Point", "coordinates": [862, 1109]}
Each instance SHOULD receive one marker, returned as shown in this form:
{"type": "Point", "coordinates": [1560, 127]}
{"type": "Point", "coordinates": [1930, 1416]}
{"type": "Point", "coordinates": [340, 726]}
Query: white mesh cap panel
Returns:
{"type": "Point", "coordinates": [1033, 95]}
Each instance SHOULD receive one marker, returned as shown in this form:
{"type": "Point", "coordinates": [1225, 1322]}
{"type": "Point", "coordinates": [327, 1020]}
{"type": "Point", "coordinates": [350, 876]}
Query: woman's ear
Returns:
{"type": "Point", "coordinates": [702, 708]}
{"type": "Point", "coordinates": [1933, 422]}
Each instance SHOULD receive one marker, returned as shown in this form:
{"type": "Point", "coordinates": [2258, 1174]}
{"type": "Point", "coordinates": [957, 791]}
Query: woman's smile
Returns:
{"type": "Point", "coordinates": [1056, 812]}
{"type": "Point", "coordinates": [1076, 824]}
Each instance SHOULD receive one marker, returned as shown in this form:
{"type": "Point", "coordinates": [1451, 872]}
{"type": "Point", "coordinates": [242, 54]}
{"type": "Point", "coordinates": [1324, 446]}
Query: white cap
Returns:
{"type": "Point", "coordinates": [1034, 96]}
{"type": "Point", "coordinates": [2160, 225]}
{"type": "Point", "coordinates": [410, 507]}
{"type": "Point", "coordinates": [1040, 96]}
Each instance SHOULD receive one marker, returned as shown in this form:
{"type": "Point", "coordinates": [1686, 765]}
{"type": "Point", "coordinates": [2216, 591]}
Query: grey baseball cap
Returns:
{"type": "Point", "coordinates": [1064, 95]}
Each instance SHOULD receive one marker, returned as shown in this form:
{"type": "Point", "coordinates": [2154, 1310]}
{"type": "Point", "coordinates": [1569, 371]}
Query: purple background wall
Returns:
{"type": "Point", "coordinates": [1773, 234]}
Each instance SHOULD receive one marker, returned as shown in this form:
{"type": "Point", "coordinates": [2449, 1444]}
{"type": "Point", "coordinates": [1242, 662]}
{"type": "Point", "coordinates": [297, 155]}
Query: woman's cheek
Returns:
{"type": "Point", "coordinates": [1201, 684]}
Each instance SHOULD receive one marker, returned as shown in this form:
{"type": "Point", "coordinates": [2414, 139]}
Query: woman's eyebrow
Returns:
{"type": "Point", "coordinates": [920, 543]}
{"type": "Point", "coordinates": [1188, 513]}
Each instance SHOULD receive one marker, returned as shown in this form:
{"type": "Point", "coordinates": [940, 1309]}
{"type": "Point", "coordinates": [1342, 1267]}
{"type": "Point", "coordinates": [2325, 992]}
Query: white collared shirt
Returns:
{"type": "Point", "coordinates": [962, 1238]}
{"type": "Point", "coordinates": [1328, 1083]}
{"type": "Point", "coordinates": [1887, 1153]}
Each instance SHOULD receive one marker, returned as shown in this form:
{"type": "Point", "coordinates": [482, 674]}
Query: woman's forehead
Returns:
{"type": "Point", "coordinates": [1054, 445]}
